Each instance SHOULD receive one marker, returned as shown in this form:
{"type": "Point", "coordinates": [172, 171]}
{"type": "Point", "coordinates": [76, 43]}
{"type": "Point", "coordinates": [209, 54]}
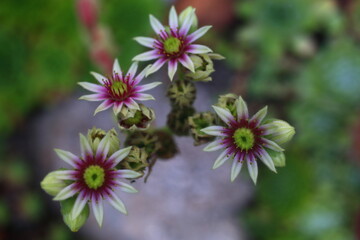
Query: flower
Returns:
{"type": "Point", "coordinates": [173, 44]}
{"type": "Point", "coordinates": [244, 140]}
{"type": "Point", "coordinates": [131, 119]}
{"type": "Point", "coordinates": [118, 89]}
{"type": "Point", "coordinates": [94, 177]}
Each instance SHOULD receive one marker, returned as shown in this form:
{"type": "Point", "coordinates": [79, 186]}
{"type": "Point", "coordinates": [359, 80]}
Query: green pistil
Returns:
{"type": "Point", "coordinates": [244, 138]}
{"type": "Point", "coordinates": [136, 119]}
{"type": "Point", "coordinates": [94, 176]}
{"type": "Point", "coordinates": [119, 88]}
{"type": "Point", "coordinates": [172, 45]}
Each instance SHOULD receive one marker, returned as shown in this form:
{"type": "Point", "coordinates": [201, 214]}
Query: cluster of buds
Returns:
{"type": "Point", "coordinates": [199, 121]}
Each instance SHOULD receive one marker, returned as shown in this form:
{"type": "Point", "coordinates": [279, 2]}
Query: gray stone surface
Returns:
{"type": "Point", "coordinates": [183, 199]}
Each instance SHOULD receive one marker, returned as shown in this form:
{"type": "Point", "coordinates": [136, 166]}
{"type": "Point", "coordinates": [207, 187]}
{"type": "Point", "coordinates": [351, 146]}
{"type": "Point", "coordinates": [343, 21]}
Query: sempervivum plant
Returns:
{"type": "Point", "coordinates": [118, 89]}
{"type": "Point", "coordinates": [173, 44]}
{"type": "Point", "coordinates": [94, 177]}
{"type": "Point", "coordinates": [244, 139]}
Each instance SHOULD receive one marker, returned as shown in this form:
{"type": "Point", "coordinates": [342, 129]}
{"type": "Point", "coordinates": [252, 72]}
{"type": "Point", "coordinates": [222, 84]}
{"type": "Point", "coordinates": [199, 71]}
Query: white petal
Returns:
{"type": "Point", "coordinates": [235, 169]}
{"type": "Point", "coordinates": [103, 147]}
{"type": "Point", "coordinates": [117, 108]}
{"type": "Point", "coordinates": [126, 187]}
{"type": "Point", "coordinates": [85, 146]}
{"type": "Point", "coordinates": [187, 23]}
{"type": "Point", "coordinates": [259, 116]}
{"type": "Point", "coordinates": [66, 193]}
{"type": "Point", "coordinates": [117, 68]}
{"type": "Point", "coordinates": [98, 210]}
{"type": "Point", "coordinates": [267, 160]}
{"type": "Point", "coordinates": [132, 70]}
{"type": "Point", "coordinates": [272, 145]}
{"type": "Point", "coordinates": [198, 33]}
{"type": "Point", "coordinates": [130, 103]}
{"type": "Point", "coordinates": [103, 106]}
{"type": "Point", "coordinates": [125, 173]}
{"type": "Point", "coordinates": [214, 130]}
{"type": "Point", "coordinates": [145, 41]}
{"type": "Point", "coordinates": [172, 67]}
{"type": "Point", "coordinates": [173, 18]}
{"type": "Point", "coordinates": [198, 49]}
{"type": "Point", "coordinates": [66, 156]}
{"type": "Point", "coordinates": [91, 87]}
{"type": "Point", "coordinates": [93, 97]}
{"type": "Point", "coordinates": [65, 174]}
{"type": "Point", "coordinates": [253, 170]}
{"type": "Point", "coordinates": [143, 97]}
{"type": "Point", "coordinates": [241, 109]}
{"type": "Point", "coordinates": [156, 25]}
{"type": "Point", "coordinates": [146, 56]}
{"type": "Point", "coordinates": [119, 155]}
{"type": "Point", "coordinates": [148, 86]}
{"type": "Point", "coordinates": [185, 60]}
{"type": "Point", "coordinates": [156, 66]}
{"type": "Point", "coordinates": [140, 76]}
{"type": "Point", "coordinates": [215, 145]}
{"type": "Point", "coordinates": [223, 157]}
{"type": "Point", "coordinates": [224, 114]}
{"type": "Point", "coordinates": [117, 203]}
{"type": "Point", "coordinates": [79, 205]}
{"type": "Point", "coordinates": [100, 78]}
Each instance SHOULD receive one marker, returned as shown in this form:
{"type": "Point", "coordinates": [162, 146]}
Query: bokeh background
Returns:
{"type": "Point", "coordinates": [299, 57]}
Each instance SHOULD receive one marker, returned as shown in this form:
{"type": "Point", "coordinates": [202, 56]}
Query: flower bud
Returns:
{"type": "Point", "coordinates": [280, 131]}
{"type": "Point", "coordinates": [182, 93]}
{"type": "Point", "coordinates": [136, 160]}
{"type": "Point", "coordinates": [167, 146]}
{"type": "Point", "coordinates": [132, 119]}
{"type": "Point", "coordinates": [177, 120]}
{"type": "Point", "coordinates": [185, 13]}
{"type": "Point", "coordinates": [277, 157]}
{"type": "Point", "coordinates": [66, 209]}
{"type": "Point", "coordinates": [198, 122]}
{"type": "Point", "coordinates": [227, 101]}
{"type": "Point", "coordinates": [143, 139]}
{"type": "Point", "coordinates": [51, 184]}
{"type": "Point", "coordinates": [95, 135]}
{"type": "Point", "coordinates": [203, 66]}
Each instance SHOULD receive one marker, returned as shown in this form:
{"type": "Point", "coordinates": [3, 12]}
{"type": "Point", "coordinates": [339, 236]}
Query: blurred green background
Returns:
{"type": "Point", "coordinates": [300, 57]}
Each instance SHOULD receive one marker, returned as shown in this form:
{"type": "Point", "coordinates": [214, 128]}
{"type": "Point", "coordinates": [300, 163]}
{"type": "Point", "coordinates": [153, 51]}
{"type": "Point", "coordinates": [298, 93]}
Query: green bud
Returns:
{"type": "Point", "coordinates": [280, 131]}
{"type": "Point", "coordinates": [177, 120]}
{"type": "Point", "coordinates": [143, 139]}
{"type": "Point", "coordinates": [182, 93]}
{"type": "Point", "coordinates": [66, 208]}
{"type": "Point", "coordinates": [95, 135]}
{"type": "Point", "coordinates": [204, 66]}
{"type": "Point", "coordinates": [132, 119]}
{"type": "Point", "coordinates": [137, 160]}
{"type": "Point", "coordinates": [51, 184]}
{"type": "Point", "coordinates": [167, 146]}
{"type": "Point", "coordinates": [185, 13]}
{"type": "Point", "coordinates": [198, 122]}
{"type": "Point", "coordinates": [228, 101]}
{"type": "Point", "coordinates": [277, 157]}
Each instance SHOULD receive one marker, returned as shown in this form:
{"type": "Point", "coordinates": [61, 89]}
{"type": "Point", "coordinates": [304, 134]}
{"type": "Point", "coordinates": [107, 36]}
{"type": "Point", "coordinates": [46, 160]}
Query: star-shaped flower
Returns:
{"type": "Point", "coordinates": [118, 89]}
{"type": "Point", "coordinates": [243, 139]}
{"type": "Point", "coordinates": [173, 44]}
{"type": "Point", "coordinates": [94, 177]}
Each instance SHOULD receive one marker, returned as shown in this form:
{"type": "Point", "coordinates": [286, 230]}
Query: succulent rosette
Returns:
{"type": "Point", "coordinates": [119, 89]}
{"type": "Point", "coordinates": [173, 44]}
{"type": "Point", "coordinates": [244, 139]}
{"type": "Point", "coordinates": [94, 177]}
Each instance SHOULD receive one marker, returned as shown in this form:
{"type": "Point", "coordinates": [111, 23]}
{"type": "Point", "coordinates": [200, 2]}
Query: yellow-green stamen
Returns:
{"type": "Point", "coordinates": [244, 138]}
{"type": "Point", "coordinates": [172, 45]}
{"type": "Point", "coordinates": [119, 88]}
{"type": "Point", "coordinates": [94, 176]}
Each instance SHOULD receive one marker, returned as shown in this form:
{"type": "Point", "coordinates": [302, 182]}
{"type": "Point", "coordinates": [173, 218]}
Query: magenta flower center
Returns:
{"type": "Point", "coordinates": [117, 88]}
